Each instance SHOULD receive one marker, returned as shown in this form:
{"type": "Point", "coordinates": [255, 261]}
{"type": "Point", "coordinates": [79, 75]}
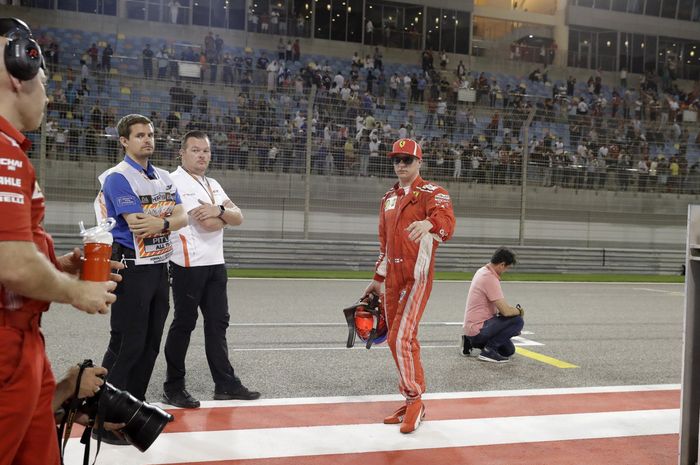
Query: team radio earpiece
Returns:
{"type": "Point", "coordinates": [23, 58]}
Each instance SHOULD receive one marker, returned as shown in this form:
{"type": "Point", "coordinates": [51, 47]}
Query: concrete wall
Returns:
{"type": "Point", "coordinates": [346, 208]}
{"type": "Point", "coordinates": [623, 22]}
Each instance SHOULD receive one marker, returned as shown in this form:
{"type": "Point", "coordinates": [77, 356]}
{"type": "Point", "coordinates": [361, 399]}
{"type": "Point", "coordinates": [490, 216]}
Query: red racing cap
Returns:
{"type": "Point", "coordinates": [406, 147]}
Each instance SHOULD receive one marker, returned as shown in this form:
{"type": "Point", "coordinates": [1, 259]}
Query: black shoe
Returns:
{"type": "Point", "coordinates": [466, 348]}
{"type": "Point", "coordinates": [242, 393]}
{"type": "Point", "coordinates": [109, 437]}
{"type": "Point", "coordinates": [181, 399]}
{"type": "Point", "coordinates": [491, 355]}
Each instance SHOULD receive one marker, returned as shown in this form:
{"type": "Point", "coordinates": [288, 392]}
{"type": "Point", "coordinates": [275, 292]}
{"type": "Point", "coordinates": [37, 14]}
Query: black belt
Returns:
{"type": "Point", "coordinates": [119, 251]}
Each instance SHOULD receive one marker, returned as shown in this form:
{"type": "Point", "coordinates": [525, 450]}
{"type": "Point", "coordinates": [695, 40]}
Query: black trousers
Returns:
{"type": "Point", "coordinates": [137, 321]}
{"type": "Point", "coordinates": [201, 287]}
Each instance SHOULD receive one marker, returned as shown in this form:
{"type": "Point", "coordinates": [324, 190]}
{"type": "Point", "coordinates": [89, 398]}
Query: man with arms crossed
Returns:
{"type": "Point", "coordinates": [145, 203]}
{"type": "Point", "coordinates": [30, 273]}
{"type": "Point", "coordinates": [414, 217]}
{"type": "Point", "coordinates": [489, 322]}
{"type": "Point", "coordinates": [199, 276]}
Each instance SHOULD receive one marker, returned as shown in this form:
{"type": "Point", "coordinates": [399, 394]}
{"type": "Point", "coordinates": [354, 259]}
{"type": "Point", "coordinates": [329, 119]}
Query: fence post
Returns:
{"type": "Point", "coordinates": [523, 174]}
{"type": "Point", "coordinates": [309, 151]}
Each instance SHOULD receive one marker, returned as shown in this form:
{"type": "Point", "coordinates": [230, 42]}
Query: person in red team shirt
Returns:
{"type": "Point", "coordinates": [31, 276]}
{"type": "Point", "coordinates": [414, 217]}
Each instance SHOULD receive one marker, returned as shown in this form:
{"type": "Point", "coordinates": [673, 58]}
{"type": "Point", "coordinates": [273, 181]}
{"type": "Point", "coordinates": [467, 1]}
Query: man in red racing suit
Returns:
{"type": "Point", "coordinates": [414, 217]}
{"type": "Point", "coordinates": [29, 269]}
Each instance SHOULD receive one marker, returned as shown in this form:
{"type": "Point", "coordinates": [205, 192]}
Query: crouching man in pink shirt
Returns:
{"type": "Point", "coordinates": [489, 322]}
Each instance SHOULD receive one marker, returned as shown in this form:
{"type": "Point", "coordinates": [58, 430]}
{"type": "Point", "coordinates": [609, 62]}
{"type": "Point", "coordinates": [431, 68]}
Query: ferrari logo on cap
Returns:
{"type": "Point", "coordinates": [402, 143]}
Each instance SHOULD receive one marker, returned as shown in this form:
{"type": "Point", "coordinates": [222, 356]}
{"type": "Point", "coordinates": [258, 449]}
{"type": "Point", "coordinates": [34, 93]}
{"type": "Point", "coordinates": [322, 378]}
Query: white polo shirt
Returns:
{"type": "Point", "coordinates": [193, 245]}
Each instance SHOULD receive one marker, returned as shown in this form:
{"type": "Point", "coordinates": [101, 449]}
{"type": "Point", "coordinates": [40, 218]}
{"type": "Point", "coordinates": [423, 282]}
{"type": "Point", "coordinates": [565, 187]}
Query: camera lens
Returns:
{"type": "Point", "coordinates": [144, 422]}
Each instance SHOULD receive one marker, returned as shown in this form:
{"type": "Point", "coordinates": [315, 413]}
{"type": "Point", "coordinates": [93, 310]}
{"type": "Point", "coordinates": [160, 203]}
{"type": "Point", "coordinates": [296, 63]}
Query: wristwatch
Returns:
{"type": "Point", "coordinates": [221, 213]}
{"type": "Point", "coordinates": [166, 226]}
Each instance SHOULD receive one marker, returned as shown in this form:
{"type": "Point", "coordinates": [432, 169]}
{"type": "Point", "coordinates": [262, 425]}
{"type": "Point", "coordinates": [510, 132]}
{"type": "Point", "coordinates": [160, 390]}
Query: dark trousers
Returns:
{"type": "Point", "coordinates": [496, 334]}
{"type": "Point", "coordinates": [137, 321]}
{"type": "Point", "coordinates": [201, 287]}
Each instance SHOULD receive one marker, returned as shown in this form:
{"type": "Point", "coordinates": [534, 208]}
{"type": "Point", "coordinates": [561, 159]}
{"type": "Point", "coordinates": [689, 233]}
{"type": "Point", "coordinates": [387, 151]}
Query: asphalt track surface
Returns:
{"type": "Point", "coordinates": [287, 340]}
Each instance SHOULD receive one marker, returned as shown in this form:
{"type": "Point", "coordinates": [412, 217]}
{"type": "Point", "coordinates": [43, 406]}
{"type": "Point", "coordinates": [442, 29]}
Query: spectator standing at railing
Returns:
{"type": "Point", "coordinates": [394, 81]}
{"type": "Point", "coordinates": [227, 63]}
{"type": "Point", "coordinates": [494, 92]}
{"type": "Point", "coordinates": [623, 77]}
{"type": "Point", "coordinates": [202, 66]}
{"type": "Point", "coordinates": [238, 67]}
{"type": "Point", "coordinates": [61, 136]}
{"type": "Point", "coordinates": [512, 50]}
{"type": "Point", "coordinates": [218, 45]}
{"type": "Point", "coordinates": [162, 59]}
{"type": "Point", "coordinates": [430, 116]}
{"type": "Point", "coordinates": [203, 103]}
{"type": "Point", "coordinates": [378, 59]}
{"type": "Point", "coordinates": [51, 56]}
{"type": "Point", "coordinates": [369, 31]}
{"type": "Point", "coordinates": [272, 70]}
{"type": "Point", "coordinates": [288, 51]}
{"type": "Point", "coordinates": [441, 112]}
{"type": "Point", "coordinates": [92, 54]}
{"type": "Point", "coordinates": [643, 173]}
{"type": "Point", "coordinates": [84, 73]}
{"type": "Point", "coordinates": [213, 64]}
{"type": "Point", "coordinates": [443, 60]}
{"type": "Point", "coordinates": [275, 21]}
{"type": "Point", "coordinates": [147, 58]}
{"type": "Point", "coordinates": [426, 61]}
{"type": "Point", "coordinates": [107, 53]}
{"type": "Point", "coordinates": [174, 6]}
{"type": "Point", "coordinates": [296, 51]}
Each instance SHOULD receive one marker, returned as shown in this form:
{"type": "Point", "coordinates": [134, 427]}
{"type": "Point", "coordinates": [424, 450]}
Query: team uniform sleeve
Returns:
{"type": "Point", "coordinates": [380, 267]}
{"type": "Point", "coordinates": [16, 187]}
{"type": "Point", "coordinates": [119, 194]}
{"type": "Point", "coordinates": [441, 214]}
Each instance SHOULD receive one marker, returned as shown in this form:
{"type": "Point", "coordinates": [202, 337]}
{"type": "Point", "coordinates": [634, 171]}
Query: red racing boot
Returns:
{"type": "Point", "coordinates": [396, 417]}
{"type": "Point", "coordinates": [415, 411]}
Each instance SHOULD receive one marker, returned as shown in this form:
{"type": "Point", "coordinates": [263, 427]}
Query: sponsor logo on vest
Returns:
{"type": "Point", "coordinates": [11, 197]}
{"type": "Point", "coordinates": [8, 181]}
{"type": "Point", "coordinates": [11, 163]}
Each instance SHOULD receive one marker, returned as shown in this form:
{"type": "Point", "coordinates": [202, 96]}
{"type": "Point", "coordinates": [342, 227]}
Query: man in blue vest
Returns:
{"type": "Point", "coordinates": [146, 205]}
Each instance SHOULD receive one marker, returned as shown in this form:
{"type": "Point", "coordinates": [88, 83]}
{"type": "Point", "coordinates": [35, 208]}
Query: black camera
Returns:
{"type": "Point", "coordinates": [144, 422]}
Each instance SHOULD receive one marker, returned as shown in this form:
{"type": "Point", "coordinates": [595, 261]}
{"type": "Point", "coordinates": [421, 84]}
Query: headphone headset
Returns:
{"type": "Point", "coordinates": [23, 57]}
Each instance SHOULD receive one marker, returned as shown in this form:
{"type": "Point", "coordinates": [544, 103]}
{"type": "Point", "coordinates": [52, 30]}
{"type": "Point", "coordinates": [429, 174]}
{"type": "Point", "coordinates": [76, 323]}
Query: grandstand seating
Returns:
{"type": "Point", "coordinates": [125, 91]}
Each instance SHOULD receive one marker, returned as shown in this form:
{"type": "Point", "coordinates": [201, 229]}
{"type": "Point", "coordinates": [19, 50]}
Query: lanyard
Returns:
{"type": "Point", "coordinates": [206, 188]}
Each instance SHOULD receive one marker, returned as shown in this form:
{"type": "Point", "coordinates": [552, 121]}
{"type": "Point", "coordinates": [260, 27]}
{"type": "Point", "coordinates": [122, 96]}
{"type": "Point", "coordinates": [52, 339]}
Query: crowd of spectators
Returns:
{"type": "Point", "coordinates": [581, 139]}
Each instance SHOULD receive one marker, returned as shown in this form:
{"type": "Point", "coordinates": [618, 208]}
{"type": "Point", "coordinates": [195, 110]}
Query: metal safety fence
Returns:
{"type": "Point", "coordinates": [312, 144]}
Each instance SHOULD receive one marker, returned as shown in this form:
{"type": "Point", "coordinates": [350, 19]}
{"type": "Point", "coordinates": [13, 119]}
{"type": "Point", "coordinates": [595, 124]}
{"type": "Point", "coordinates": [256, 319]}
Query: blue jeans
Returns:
{"type": "Point", "coordinates": [496, 334]}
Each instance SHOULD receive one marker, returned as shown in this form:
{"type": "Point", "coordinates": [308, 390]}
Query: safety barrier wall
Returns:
{"type": "Point", "coordinates": [361, 255]}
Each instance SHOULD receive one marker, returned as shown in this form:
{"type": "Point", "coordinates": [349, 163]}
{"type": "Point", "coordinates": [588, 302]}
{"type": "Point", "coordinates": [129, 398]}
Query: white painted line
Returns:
{"type": "Point", "coordinates": [521, 341]}
{"type": "Point", "coordinates": [675, 293]}
{"type": "Point", "coordinates": [265, 443]}
{"type": "Point", "coordinates": [541, 283]}
{"type": "Point", "coordinates": [433, 396]}
{"type": "Point", "coordinates": [312, 324]}
{"type": "Point", "coordinates": [359, 345]}
{"type": "Point", "coordinates": [321, 324]}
